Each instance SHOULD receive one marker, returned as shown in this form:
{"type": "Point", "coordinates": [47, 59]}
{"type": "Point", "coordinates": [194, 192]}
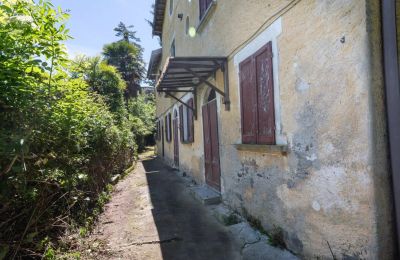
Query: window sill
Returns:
{"type": "Point", "coordinates": [263, 148]}
{"type": "Point", "coordinates": [186, 142]}
{"type": "Point", "coordinates": [206, 16]}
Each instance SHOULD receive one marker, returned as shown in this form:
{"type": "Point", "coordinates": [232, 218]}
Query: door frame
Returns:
{"type": "Point", "coordinates": [218, 187]}
{"type": "Point", "coordinates": [392, 88]}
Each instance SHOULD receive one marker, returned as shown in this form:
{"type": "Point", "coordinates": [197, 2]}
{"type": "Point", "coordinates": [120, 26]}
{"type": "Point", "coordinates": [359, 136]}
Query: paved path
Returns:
{"type": "Point", "coordinates": [152, 216]}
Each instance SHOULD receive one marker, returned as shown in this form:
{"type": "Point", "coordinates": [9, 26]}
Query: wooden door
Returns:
{"type": "Point", "coordinates": [211, 145]}
{"type": "Point", "coordinates": [176, 142]}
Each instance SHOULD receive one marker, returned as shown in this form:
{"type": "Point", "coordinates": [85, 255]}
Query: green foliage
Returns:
{"type": "Point", "coordinates": [126, 57]}
{"type": "Point", "coordinates": [4, 251]}
{"type": "Point", "coordinates": [126, 33]}
{"type": "Point", "coordinates": [31, 38]}
{"type": "Point", "coordinates": [142, 116]}
{"type": "Point", "coordinates": [104, 80]}
{"type": "Point", "coordinates": [49, 254]}
{"type": "Point", "coordinates": [64, 130]}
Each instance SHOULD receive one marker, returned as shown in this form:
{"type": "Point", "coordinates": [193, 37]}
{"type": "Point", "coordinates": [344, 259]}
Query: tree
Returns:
{"type": "Point", "coordinates": [103, 79]}
{"type": "Point", "coordinates": [128, 60]}
{"type": "Point", "coordinates": [125, 32]}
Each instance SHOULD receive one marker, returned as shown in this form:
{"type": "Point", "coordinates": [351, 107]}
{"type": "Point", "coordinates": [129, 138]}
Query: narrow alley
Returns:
{"type": "Point", "coordinates": [152, 216]}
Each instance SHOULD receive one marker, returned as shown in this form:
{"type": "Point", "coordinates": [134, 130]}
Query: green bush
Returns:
{"type": "Point", "coordinates": [142, 118]}
{"type": "Point", "coordinates": [62, 136]}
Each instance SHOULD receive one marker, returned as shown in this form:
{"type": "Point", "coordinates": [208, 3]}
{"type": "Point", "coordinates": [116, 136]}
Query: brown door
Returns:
{"type": "Point", "coordinates": [211, 145]}
{"type": "Point", "coordinates": [176, 142]}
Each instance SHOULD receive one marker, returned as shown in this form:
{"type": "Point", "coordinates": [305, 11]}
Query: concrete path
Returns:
{"type": "Point", "coordinates": [152, 216]}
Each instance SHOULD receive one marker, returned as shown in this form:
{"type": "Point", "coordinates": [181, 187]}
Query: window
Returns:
{"type": "Point", "coordinates": [257, 97]}
{"type": "Point", "coordinates": [171, 6]}
{"type": "Point", "coordinates": [186, 123]}
{"type": "Point", "coordinates": [168, 133]}
{"type": "Point", "coordinates": [187, 26]}
{"type": "Point", "coordinates": [204, 5]}
{"type": "Point", "coordinates": [172, 48]}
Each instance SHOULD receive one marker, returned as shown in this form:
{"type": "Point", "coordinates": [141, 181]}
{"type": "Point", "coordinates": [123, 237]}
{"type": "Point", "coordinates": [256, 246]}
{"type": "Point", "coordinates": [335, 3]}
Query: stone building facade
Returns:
{"type": "Point", "coordinates": [311, 156]}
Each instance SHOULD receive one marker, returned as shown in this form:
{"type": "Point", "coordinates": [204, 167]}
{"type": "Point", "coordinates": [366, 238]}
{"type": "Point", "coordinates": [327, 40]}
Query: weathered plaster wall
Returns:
{"type": "Point", "coordinates": [333, 185]}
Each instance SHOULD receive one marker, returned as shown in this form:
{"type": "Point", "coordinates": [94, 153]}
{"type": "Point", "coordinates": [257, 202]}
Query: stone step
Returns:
{"type": "Point", "coordinates": [205, 195]}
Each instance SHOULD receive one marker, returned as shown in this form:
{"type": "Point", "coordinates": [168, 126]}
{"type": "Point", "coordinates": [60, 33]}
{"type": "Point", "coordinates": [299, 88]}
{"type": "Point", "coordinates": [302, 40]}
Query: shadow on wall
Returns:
{"type": "Point", "coordinates": [185, 229]}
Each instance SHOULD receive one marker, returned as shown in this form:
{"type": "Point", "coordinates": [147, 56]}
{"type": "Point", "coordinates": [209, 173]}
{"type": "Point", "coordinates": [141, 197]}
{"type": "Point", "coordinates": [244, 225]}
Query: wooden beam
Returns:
{"type": "Point", "coordinates": [205, 81]}
{"type": "Point", "coordinates": [180, 101]}
{"type": "Point", "coordinates": [190, 65]}
{"type": "Point", "coordinates": [227, 101]}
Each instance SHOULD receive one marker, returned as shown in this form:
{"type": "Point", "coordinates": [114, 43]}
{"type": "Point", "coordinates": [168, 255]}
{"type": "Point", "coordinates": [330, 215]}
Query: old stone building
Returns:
{"type": "Point", "coordinates": [279, 106]}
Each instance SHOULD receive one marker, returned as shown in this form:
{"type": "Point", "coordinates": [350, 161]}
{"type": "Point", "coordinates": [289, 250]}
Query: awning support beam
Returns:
{"type": "Point", "coordinates": [227, 100]}
{"type": "Point", "coordinates": [183, 103]}
{"type": "Point", "coordinates": [204, 80]}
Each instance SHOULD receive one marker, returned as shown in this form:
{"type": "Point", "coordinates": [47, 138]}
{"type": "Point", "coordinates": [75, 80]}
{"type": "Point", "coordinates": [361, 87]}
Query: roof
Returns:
{"type": "Point", "coordinates": [158, 19]}
{"type": "Point", "coordinates": [185, 73]}
{"type": "Point", "coordinates": [155, 60]}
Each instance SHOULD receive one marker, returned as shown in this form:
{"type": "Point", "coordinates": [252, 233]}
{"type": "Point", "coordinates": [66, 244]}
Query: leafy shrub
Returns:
{"type": "Point", "coordinates": [62, 137]}
{"type": "Point", "coordinates": [142, 117]}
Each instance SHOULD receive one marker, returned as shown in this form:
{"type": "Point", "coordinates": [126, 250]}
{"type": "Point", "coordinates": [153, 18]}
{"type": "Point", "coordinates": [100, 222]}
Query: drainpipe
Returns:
{"type": "Point", "coordinates": [392, 86]}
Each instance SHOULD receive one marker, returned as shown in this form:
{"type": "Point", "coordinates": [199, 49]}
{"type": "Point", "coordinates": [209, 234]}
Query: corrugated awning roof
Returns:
{"type": "Point", "coordinates": [184, 74]}
{"type": "Point", "coordinates": [187, 72]}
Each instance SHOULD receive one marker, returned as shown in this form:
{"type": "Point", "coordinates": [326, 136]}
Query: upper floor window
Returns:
{"type": "Point", "coordinates": [257, 97]}
{"type": "Point", "coordinates": [204, 5]}
{"type": "Point", "coordinates": [171, 6]}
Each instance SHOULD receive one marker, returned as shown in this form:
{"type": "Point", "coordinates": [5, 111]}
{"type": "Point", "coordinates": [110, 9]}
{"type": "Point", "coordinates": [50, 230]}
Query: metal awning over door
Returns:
{"type": "Point", "coordinates": [185, 74]}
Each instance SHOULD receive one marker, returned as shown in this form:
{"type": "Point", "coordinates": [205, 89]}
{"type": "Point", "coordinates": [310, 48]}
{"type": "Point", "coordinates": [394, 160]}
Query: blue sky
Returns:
{"type": "Point", "coordinates": [92, 23]}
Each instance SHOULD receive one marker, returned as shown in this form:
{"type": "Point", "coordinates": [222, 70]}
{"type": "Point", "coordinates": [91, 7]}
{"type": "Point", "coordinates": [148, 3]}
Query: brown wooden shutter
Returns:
{"type": "Point", "coordinates": [170, 126]}
{"type": "Point", "coordinates": [181, 124]}
{"type": "Point", "coordinates": [168, 132]}
{"type": "Point", "coordinates": [265, 96]}
{"type": "Point", "coordinates": [248, 97]}
{"type": "Point", "coordinates": [166, 127]}
{"type": "Point", "coordinates": [160, 130]}
{"type": "Point", "coordinates": [157, 130]}
{"type": "Point", "coordinates": [190, 121]}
